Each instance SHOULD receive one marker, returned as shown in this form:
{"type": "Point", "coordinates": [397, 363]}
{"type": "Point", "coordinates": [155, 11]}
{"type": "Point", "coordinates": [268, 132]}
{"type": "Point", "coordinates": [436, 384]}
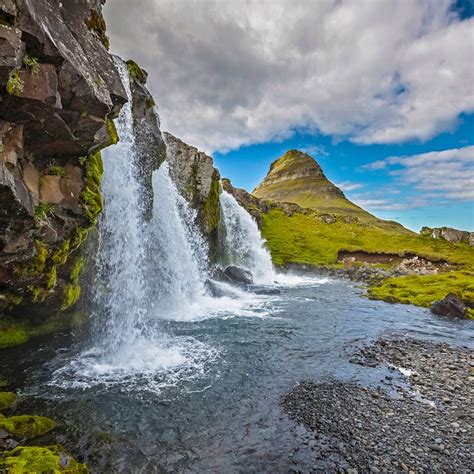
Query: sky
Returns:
{"type": "Point", "coordinates": [379, 92]}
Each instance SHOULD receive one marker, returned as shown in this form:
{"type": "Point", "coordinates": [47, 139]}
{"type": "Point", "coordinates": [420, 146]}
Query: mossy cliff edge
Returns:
{"type": "Point", "coordinates": [60, 92]}
{"type": "Point", "coordinates": [308, 223]}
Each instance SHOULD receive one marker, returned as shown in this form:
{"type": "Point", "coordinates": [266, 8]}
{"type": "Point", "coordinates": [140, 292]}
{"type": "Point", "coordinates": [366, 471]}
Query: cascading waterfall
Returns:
{"type": "Point", "coordinates": [243, 243]}
{"type": "Point", "coordinates": [120, 291]}
{"type": "Point", "coordinates": [148, 272]}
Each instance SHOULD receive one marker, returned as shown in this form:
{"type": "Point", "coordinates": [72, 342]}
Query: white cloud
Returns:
{"type": "Point", "coordinates": [447, 174]}
{"type": "Point", "coordinates": [389, 205]}
{"type": "Point", "coordinates": [348, 186]}
{"type": "Point", "coordinates": [229, 73]}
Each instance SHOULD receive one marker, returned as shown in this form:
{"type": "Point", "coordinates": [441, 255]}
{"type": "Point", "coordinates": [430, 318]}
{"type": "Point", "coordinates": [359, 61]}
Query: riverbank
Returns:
{"type": "Point", "coordinates": [421, 425]}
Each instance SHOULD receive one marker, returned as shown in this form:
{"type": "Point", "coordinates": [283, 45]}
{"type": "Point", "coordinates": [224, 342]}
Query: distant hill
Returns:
{"type": "Point", "coordinates": [297, 178]}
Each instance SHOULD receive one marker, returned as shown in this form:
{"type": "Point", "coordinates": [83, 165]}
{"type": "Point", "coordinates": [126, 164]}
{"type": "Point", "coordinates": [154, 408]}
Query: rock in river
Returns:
{"type": "Point", "coordinates": [238, 275]}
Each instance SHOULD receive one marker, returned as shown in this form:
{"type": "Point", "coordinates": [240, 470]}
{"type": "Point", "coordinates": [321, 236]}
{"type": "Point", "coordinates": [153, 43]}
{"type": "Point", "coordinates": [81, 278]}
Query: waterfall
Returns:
{"type": "Point", "coordinates": [150, 271]}
{"type": "Point", "coordinates": [242, 242]}
{"type": "Point", "coordinates": [121, 265]}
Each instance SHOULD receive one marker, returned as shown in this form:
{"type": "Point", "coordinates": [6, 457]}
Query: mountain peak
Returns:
{"type": "Point", "coordinates": [297, 177]}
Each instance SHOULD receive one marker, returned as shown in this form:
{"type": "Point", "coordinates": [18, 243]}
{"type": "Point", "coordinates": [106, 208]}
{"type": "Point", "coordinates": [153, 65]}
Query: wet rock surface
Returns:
{"type": "Point", "coordinates": [424, 425]}
{"type": "Point", "coordinates": [238, 275]}
{"type": "Point", "coordinates": [451, 305]}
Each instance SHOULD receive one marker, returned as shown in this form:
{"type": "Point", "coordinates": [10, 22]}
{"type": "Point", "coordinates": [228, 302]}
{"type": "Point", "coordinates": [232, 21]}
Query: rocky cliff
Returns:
{"type": "Point", "coordinates": [149, 142]}
{"type": "Point", "coordinates": [448, 233]}
{"type": "Point", "coordinates": [197, 181]}
{"type": "Point", "coordinates": [59, 91]}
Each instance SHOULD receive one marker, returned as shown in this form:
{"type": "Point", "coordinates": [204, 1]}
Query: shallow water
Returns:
{"type": "Point", "coordinates": [204, 396]}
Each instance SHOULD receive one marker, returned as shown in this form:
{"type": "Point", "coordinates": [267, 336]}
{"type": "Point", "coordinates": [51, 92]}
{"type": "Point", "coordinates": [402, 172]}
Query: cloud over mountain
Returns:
{"type": "Point", "coordinates": [230, 73]}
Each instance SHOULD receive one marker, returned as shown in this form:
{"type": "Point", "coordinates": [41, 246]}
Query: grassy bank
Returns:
{"type": "Point", "coordinates": [306, 239]}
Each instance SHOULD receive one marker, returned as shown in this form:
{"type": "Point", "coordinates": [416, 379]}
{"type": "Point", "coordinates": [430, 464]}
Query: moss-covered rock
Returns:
{"type": "Point", "coordinates": [34, 459]}
{"type": "Point", "coordinates": [7, 400]}
{"type": "Point", "coordinates": [27, 426]}
{"type": "Point", "coordinates": [136, 73]}
{"type": "Point", "coordinates": [212, 209]}
{"type": "Point", "coordinates": [14, 332]}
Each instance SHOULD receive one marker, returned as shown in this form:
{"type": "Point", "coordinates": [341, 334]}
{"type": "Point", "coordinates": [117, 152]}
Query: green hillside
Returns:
{"type": "Point", "coordinates": [297, 178]}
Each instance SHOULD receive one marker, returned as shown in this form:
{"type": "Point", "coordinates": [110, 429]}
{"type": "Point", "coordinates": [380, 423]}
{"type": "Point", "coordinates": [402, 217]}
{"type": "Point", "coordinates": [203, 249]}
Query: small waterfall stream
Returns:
{"type": "Point", "coordinates": [243, 243]}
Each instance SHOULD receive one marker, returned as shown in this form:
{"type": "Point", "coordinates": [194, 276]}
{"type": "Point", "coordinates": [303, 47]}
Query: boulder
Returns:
{"type": "Point", "coordinates": [238, 275]}
{"type": "Point", "coordinates": [450, 305]}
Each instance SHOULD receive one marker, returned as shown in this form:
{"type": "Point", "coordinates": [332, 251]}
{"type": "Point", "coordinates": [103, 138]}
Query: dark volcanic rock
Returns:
{"type": "Point", "coordinates": [238, 275]}
{"type": "Point", "coordinates": [450, 305]}
{"type": "Point", "coordinates": [59, 91]}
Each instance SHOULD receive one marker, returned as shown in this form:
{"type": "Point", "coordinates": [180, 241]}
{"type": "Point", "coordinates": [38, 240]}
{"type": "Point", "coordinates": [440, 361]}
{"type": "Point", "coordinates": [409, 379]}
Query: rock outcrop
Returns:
{"type": "Point", "coordinates": [451, 305]}
{"type": "Point", "coordinates": [149, 141]}
{"type": "Point", "coordinates": [59, 91]}
{"type": "Point", "coordinates": [448, 233]}
{"type": "Point", "coordinates": [197, 181]}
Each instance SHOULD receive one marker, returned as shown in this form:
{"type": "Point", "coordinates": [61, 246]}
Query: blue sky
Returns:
{"type": "Point", "coordinates": [380, 92]}
{"type": "Point", "coordinates": [376, 190]}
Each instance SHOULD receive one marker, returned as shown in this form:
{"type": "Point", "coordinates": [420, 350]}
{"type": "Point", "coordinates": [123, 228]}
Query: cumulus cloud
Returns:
{"type": "Point", "coordinates": [448, 174]}
{"type": "Point", "coordinates": [230, 73]}
{"type": "Point", "coordinates": [389, 205]}
{"type": "Point", "coordinates": [348, 186]}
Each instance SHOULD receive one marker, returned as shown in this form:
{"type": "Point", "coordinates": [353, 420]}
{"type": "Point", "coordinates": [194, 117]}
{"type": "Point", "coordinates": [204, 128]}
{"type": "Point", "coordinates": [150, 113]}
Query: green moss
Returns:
{"type": "Point", "coordinates": [15, 84]}
{"type": "Point", "coordinates": [27, 426]}
{"type": "Point", "coordinates": [34, 459]}
{"type": "Point", "coordinates": [135, 72]}
{"type": "Point", "coordinates": [51, 278]}
{"type": "Point", "coordinates": [79, 235]}
{"type": "Point", "coordinates": [211, 211]}
{"type": "Point", "coordinates": [42, 210]}
{"type": "Point", "coordinates": [71, 294]}
{"type": "Point", "coordinates": [13, 332]}
{"type": "Point", "coordinates": [61, 254]}
{"type": "Point", "coordinates": [424, 290]}
{"type": "Point", "coordinates": [91, 196]}
{"type": "Point", "coordinates": [7, 399]}
{"type": "Point", "coordinates": [12, 335]}
{"type": "Point", "coordinates": [31, 63]}
{"type": "Point", "coordinates": [96, 23]}
{"type": "Point", "coordinates": [111, 131]}
{"type": "Point", "coordinates": [56, 170]}
{"type": "Point", "coordinates": [41, 256]}
{"type": "Point", "coordinates": [76, 270]}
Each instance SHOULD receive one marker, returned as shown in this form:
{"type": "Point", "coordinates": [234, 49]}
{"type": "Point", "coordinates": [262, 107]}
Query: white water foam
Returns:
{"type": "Point", "coordinates": [243, 243]}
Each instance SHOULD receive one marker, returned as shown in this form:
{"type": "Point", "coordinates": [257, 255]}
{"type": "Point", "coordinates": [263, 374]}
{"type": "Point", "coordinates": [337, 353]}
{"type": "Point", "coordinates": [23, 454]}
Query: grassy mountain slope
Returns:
{"type": "Point", "coordinates": [307, 236]}
{"type": "Point", "coordinates": [297, 178]}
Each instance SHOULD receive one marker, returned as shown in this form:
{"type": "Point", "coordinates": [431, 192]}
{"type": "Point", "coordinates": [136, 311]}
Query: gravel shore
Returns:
{"type": "Point", "coordinates": [422, 425]}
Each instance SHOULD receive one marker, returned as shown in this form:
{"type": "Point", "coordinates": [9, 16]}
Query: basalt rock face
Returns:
{"type": "Point", "coordinates": [149, 141]}
{"type": "Point", "coordinates": [59, 91]}
{"type": "Point", "coordinates": [197, 181]}
{"type": "Point", "coordinates": [451, 235]}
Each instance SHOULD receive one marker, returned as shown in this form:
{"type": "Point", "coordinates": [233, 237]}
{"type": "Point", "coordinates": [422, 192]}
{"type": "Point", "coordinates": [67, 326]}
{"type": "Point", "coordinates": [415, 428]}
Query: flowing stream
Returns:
{"type": "Point", "coordinates": [180, 373]}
